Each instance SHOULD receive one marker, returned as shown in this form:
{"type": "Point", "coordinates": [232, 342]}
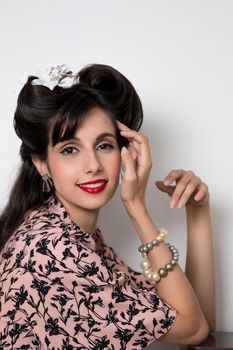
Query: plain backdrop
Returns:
{"type": "Point", "coordinates": [179, 56]}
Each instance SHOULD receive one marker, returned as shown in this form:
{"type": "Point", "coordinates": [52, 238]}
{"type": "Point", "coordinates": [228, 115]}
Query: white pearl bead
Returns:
{"type": "Point", "coordinates": [155, 276]}
{"type": "Point", "coordinates": [145, 264]}
{"type": "Point", "coordinates": [165, 232]}
{"type": "Point", "coordinates": [146, 272]}
{"type": "Point", "coordinates": [149, 276]}
{"type": "Point", "coordinates": [160, 238]}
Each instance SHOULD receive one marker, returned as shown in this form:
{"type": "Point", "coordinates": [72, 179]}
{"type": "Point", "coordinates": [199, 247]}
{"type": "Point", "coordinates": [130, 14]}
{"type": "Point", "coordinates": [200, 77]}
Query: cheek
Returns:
{"type": "Point", "coordinates": [60, 169]}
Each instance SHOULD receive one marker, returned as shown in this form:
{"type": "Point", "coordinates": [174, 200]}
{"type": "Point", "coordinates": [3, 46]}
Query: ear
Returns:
{"type": "Point", "coordinates": [40, 165]}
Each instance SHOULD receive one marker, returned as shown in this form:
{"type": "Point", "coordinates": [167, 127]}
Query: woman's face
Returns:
{"type": "Point", "coordinates": [85, 169]}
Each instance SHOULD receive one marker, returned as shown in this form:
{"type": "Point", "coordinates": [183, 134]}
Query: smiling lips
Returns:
{"type": "Point", "coordinates": [93, 186]}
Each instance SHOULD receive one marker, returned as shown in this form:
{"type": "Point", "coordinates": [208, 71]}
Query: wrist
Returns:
{"type": "Point", "coordinates": [196, 209]}
{"type": "Point", "coordinates": [135, 207]}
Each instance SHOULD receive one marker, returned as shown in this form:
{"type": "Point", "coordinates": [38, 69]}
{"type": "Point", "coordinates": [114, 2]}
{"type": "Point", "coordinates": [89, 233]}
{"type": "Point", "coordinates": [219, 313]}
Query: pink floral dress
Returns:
{"type": "Point", "coordinates": [62, 288]}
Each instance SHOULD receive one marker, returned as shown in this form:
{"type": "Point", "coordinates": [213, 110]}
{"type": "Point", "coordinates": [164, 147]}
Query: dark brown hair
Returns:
{"type": "Point", "coordinates": [38, 108]}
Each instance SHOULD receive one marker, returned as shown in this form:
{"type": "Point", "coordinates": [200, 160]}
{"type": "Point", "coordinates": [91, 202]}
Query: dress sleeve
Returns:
{"type": "Point", "coordinates": [64, 295]}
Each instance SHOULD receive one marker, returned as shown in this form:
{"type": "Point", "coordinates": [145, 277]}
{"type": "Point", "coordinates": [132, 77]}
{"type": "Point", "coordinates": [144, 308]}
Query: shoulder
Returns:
{"type": "Point", "coordinates": [40, 226]}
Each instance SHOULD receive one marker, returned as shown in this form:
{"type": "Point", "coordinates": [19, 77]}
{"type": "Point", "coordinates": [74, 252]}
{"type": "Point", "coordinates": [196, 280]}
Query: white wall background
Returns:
{"type": "Point", "coordinates": [179, 56]}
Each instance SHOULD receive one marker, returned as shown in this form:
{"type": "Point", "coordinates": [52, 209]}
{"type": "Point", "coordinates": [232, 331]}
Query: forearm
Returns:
{"type": "Point", "coordinates": [200, 261]}
{"type": "Point", "coordinates": [175, 288]}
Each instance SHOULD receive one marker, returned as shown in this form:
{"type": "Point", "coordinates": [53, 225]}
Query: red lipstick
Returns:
{"type": "Point", "coordinates": [93, 187]}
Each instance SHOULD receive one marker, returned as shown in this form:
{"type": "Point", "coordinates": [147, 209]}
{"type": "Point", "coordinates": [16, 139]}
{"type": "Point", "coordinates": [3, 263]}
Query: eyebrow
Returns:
{"type": "Point", "coordinates": [105, 134]}
{"type": "Point", "coordinates": [100, 137]}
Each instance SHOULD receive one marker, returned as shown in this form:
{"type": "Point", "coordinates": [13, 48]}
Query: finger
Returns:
{"type": "Point", "coordinates": [192, 187]}
{"type": "Point", "coordinates": [173, 175]}
{"type": "Point", "coordinates": [163, 188]}
{"type": "Point", "coordinates": [134, 138]}
{"type": "Point", "coordinates": [141, 144]}
{"type": "Point", "coordinates": [129, 164]}
{"type": "Point", "coordinates": [122, 126]}
{"type": "Point", "coordinates": [182, 183]}
{"type": "Point", "coordinates": [134, 152]}
{"type": "Point", "coordinates": [202, 192]}
{"type": "Point", "coordinates": [133, 135]}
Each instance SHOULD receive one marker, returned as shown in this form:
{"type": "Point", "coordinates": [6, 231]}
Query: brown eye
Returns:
{"type": "Point", "coordinates": [105, 146]}
{"type": "Point", "coordinates": [69, 150]}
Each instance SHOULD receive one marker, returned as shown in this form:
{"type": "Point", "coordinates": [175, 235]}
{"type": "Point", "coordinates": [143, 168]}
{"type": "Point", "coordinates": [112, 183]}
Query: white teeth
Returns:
{"type": "Point", "coordinates": [93, 185]}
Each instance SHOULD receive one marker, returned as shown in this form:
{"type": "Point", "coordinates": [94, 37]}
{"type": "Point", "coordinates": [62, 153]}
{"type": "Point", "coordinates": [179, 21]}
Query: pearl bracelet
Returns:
{"type": "Point", "coordinates": [162, 272]}
{"type": "Point", "coordinates": [145, 248]}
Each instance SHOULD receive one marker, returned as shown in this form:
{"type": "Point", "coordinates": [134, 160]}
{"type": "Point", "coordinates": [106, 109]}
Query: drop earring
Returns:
{"type": "Point", "coordinates": [47, 184]}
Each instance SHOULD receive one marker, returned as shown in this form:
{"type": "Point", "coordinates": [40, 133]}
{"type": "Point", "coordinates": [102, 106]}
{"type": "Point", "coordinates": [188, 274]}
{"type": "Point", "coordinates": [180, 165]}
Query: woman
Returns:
{"type": "Point", "coordinates": [62, 287]}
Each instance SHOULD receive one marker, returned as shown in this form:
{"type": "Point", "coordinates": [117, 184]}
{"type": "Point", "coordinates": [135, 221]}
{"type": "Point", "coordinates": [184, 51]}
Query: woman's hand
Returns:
{"type": "Point", "coordinates": [189, 190]}
{"type": "Point", "coordinates": [136, 159]}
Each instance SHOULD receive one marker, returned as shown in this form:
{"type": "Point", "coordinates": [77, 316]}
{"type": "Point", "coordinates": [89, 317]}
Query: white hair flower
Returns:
{"type": "Point", "coordinates": [60, 75]}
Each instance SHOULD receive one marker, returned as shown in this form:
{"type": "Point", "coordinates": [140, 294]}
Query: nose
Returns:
{"type": "Point", "coordinates": [92, 163]}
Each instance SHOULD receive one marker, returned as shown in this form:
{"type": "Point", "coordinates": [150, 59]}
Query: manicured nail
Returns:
{"type": "Point", "coordinates": [180, 204]}
{"type": "Point", "coordinates": [172, 204]}
{"type": "Point", "coordinates": [124, 150]}
{"type": "Point", "coordinates": [166, 183]}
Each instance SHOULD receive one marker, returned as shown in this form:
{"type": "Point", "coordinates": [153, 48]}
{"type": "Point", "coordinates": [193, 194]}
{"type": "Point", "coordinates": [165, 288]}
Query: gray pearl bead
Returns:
{"type": "Point", "coordinates": [169, 267]}
{"type": "Point", "coordinates": [140, 249]}
{"type": "Point", "coordinates": [173, 262]}
{"type": "Point", "coordinates": [155, 242]}
{"type": "Point", "coordinates": [149, 246]}
{"type": "Point", "coordinates": [145, 250]}
{"type": "Point", "coordinates": [162, 272]}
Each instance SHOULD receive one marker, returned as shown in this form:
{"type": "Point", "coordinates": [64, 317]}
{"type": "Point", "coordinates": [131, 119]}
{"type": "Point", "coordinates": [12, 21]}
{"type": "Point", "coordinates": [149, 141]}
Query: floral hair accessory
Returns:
{"type": "Point", "coordinates": [56, 76]}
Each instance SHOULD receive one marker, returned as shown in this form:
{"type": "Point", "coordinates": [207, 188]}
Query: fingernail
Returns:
{"type": "Point", "coordinates": [124, 150]}
{"type": "Point", "coordinates": [166, 182]}
{"type": "Point", "coordinates": [180, 204]}
{"type": "Point", "coordinates": [172, 204]}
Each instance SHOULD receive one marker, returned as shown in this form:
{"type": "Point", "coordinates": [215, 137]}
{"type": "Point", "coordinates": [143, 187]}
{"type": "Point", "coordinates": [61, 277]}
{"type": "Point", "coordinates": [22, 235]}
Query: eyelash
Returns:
{"type": "Point", "coordinates": [67, 150]}
{"type": "Point", "coordinates": [104, 146]}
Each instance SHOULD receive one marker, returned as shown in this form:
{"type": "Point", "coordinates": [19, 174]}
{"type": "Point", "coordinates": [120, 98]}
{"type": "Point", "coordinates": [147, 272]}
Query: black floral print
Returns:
{"type": "Point", "coordinates": [63, 289]}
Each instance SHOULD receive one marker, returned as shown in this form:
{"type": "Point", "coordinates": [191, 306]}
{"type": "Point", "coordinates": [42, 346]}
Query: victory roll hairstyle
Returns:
{"type": "Point", "coordinates": [43, 115]}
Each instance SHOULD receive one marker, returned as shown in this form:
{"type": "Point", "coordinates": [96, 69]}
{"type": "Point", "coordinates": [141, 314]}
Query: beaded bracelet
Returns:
{"type": "Point", "coordinates": [145, 248]}
{"type": "Point", "coordinates": [162, 272]}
